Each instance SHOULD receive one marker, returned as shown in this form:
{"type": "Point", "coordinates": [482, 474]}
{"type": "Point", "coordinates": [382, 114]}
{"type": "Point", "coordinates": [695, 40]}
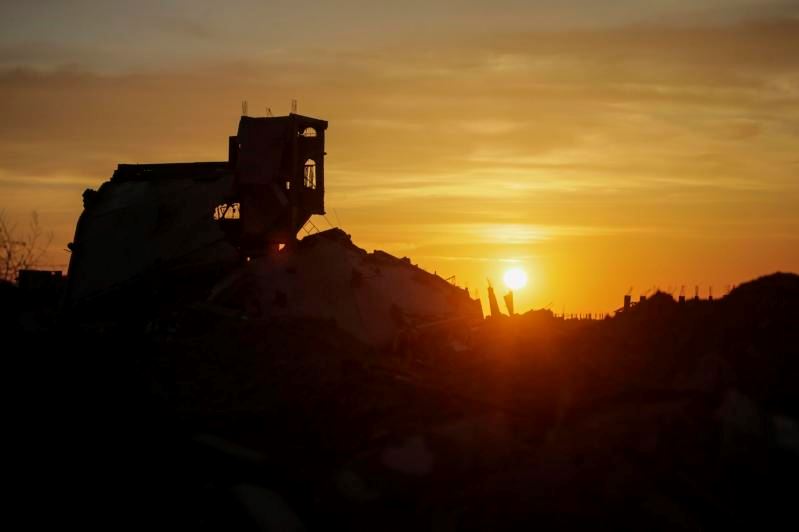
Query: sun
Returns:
{"type": "Point", "coordinates": [515, 278]}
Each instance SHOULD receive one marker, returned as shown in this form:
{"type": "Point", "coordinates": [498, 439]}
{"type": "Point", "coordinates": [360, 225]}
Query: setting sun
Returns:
{"type": "Point", "coordinates": [515, 278]}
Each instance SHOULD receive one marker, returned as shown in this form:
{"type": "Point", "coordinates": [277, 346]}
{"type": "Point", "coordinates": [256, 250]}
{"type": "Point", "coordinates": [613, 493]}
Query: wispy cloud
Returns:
{"type": "Point", "coordinates": [524, 135]}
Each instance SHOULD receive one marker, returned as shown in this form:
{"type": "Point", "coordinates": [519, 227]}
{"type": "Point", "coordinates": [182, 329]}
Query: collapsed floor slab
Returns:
{"type": "Point", "coordinates": [376, 297]}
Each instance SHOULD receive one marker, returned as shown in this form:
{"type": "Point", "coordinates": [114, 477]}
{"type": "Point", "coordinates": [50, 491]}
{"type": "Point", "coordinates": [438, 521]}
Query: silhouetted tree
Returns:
{"type": "Point", "coordinates": [20, 250]}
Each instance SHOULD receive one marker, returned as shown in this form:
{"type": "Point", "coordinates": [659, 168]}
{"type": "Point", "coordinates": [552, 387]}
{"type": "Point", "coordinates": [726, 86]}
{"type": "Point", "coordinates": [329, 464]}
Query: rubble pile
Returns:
{"type": "Point", "coordinates": [672, 415]}
{"type": "Point", "coordinates": [667, 416]}
{"type": "Point", "coordinates": [375, 297]}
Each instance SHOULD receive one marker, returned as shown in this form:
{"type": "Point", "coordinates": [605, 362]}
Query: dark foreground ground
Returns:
{"type": "Point", "coordinates": [671, 416]}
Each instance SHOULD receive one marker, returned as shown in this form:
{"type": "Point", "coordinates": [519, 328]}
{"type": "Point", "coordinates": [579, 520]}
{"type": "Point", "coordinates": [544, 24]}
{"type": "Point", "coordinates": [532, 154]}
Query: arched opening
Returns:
{"type": "Point", "coordinates": [309, 174]}
{"type": "Point", "coordinates": [227, 211]}
{"type": "Point", "coordinates": [308, 132]}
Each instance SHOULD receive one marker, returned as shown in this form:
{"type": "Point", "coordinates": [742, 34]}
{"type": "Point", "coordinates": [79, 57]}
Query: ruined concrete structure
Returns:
{"type": "Point", "coordinates": [205, 223]}
{"type": "Point", "coordinates": [279, 178]}
{"type": "Point", "coordinates": [192, 215]}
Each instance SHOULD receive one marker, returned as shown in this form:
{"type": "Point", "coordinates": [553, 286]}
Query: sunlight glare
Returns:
{"type": "Point", "coordinates": [515, 278]}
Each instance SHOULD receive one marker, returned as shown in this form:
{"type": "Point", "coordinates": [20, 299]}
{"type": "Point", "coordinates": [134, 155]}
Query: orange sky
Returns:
{"type": "Point", "coordinates": [598, 145]}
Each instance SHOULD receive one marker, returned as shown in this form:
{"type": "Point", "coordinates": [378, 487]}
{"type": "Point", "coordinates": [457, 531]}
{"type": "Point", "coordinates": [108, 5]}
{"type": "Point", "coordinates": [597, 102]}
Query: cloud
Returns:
{"type": "Point", "coordinates": [522, 138]}
{"type": "Point", "coordinates": [188, 27]}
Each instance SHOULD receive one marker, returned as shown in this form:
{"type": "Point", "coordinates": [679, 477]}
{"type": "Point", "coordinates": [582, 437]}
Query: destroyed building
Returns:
{"type": "Point", "coordinates": [225, 233]}
{"type": "Point", "coordinates": [245, 401]}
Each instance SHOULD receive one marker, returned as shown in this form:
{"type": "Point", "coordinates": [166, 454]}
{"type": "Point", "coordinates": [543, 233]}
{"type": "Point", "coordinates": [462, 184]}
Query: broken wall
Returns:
{"type": "Point", "coordinates": [132, 228]}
